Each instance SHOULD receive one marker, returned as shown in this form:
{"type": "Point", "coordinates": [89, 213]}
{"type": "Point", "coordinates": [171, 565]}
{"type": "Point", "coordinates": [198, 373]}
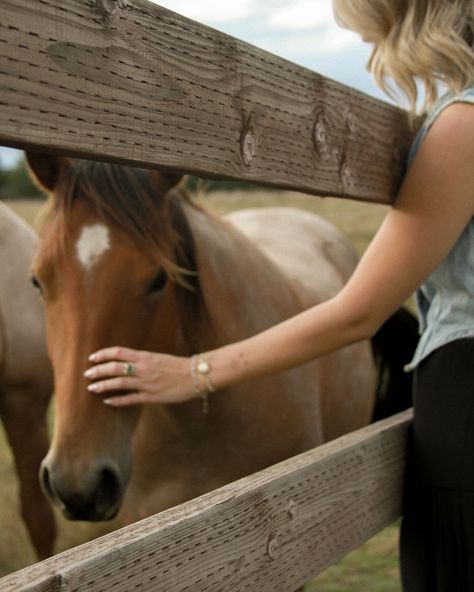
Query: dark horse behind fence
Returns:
{"type": "Point", "coordinates": [126, 259]}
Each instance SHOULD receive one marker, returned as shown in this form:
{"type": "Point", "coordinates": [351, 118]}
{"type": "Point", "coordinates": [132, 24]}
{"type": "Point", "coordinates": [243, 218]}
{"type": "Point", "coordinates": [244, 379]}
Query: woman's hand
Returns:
{"type": "Point", "coordinates": [149, 377]}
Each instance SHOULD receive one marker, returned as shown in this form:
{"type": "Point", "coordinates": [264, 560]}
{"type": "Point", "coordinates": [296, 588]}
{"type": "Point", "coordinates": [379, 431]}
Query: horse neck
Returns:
{"type": "Point", "coordinates": [239, 293]}
{"type": "Point", "coordinates": [242, 291]}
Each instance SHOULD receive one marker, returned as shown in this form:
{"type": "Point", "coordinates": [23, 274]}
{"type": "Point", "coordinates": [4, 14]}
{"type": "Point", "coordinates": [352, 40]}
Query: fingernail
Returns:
{"type": "Point", "coordinates": [88, 373]}
{"type": "Point", "coordinates": [92, 357]}
{"type": "Point", "coordinates": [93, 387]}
{"type": "Point", "coordinates": [107, 401]}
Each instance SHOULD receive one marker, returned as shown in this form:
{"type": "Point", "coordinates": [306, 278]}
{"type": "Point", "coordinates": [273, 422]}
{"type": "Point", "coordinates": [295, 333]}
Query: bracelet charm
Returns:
{"type": "Point", "coordinates": [203, 367]}
{"type": "Point", "coordinates": [200, 373]}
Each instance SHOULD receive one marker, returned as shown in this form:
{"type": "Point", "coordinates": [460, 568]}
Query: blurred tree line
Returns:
{"type": "Point", "coordinates": [15, 183]}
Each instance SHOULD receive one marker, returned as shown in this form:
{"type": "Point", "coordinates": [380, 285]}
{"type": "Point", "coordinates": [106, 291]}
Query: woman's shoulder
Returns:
{"type": "Point", "coordinates": [449, 142]}
{"type": "Point", "coordinates": [453, 129]}
{"type": "Point", "coordinates": [448, 102]}
{"type": "Point", "coordinates": [445, 159]}
{"type": "Point", "coordinates": [453, 110]}
{"type": "Point", "coordinates": [449, 125]}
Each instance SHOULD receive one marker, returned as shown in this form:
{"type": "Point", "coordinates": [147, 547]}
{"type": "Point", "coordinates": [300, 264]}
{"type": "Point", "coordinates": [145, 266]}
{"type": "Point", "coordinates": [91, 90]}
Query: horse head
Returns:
{"type": "Point", "coordinates": [107, 267]}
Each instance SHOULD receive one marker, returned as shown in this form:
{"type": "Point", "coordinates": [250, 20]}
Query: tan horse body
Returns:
{"type": "Point", "coordinates": [97, 293]}
{"type": "Point", "coordinates": [260, 423]}
{"type": "Point", "coordinates": [25, 374]}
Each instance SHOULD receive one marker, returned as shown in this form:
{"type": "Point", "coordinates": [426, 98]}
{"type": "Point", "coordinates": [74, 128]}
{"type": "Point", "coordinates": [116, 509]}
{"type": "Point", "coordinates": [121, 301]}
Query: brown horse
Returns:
{"type": "Point", "coordinates": [126, 259]}
{"type": "Point", "coordinates": [26, 381]}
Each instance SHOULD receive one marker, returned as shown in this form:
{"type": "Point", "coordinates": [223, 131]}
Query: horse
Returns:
{"type": "Point", "coordinates": [26, 381]}
{"type": "Point", "coordinates": [126, 258]}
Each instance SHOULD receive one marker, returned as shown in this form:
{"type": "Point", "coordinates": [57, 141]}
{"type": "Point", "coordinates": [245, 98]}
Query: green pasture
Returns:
{"type": "Point", "coordinates": [371, 568]}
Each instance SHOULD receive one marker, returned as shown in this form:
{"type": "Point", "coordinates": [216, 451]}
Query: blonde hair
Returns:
{"type": "Point", "coordinates": [426, 40]}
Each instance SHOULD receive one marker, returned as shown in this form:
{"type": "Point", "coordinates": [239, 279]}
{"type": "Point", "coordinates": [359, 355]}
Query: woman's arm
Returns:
{"type": "Point", "coordinates": [435, 203]}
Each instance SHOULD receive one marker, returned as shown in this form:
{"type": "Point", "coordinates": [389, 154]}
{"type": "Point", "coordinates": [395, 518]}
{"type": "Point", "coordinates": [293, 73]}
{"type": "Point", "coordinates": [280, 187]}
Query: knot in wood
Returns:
{"type": "Point", "coordinates": [273, 546]}
{"type": "Point", "coordinates": [249, 148]}
{"type": "Point", "coordinates": [345, 176]}
{"type": "Point", "coordinates": [320, 132]}
{"type": "Point", "coordinates": [292, 509]}
{"type": "Point", "coordinates": [321, 136]}
{"type": "Point", "coordinates": [108, 7]}
{"type": "Point", "coordinates": [351, 122]}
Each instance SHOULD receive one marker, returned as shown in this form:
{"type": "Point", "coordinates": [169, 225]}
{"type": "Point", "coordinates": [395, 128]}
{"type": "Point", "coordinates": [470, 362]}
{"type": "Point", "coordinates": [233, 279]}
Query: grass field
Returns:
{"type": "Point", "coordinates": [372, 567]}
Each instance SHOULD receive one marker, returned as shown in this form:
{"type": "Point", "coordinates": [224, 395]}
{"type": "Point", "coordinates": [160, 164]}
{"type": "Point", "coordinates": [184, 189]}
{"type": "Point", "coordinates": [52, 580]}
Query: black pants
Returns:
{"type": "Point", "coordinates": [437, 534]}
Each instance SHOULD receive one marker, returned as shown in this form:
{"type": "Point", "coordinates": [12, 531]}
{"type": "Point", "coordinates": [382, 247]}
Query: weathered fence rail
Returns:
{"type": "Point", "coordinates": [128, 81]}
{"type": "Point", "coordinates": [145, 86]}
{"type": "Point", "coordinates": [271, 531]}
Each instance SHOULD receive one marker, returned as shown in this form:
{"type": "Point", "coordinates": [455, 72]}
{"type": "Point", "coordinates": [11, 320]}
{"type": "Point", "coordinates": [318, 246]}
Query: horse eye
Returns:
{"type": "Point", "coordinates": [159, 282]}
{"type": "Point", "coordinates": [36, 284]}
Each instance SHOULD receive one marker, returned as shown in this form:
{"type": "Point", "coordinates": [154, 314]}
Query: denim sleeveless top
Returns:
{"type": "Point", "coordinates": [445, 301]}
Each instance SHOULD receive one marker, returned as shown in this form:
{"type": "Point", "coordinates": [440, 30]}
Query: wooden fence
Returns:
{"type": "Point", "coordinates": [271, 531]}
{"type": "Point", "coordinates": [128, 81]}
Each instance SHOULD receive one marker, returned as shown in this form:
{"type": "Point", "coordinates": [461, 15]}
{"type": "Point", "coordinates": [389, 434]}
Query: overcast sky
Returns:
{"type": "Point", "coordinates": [302, 31]}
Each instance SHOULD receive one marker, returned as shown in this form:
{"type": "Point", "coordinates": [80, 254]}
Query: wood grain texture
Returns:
{"type": "Point", "coordinates": [131, 82]}
{"type": "Point", "coordinates": [270, 532]}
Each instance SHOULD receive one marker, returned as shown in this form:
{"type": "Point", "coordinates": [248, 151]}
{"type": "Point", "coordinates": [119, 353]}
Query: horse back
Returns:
{"type": "Point", "coordinates": [318, 260]}
{"type": "Point", "coordinates": [308, 250]}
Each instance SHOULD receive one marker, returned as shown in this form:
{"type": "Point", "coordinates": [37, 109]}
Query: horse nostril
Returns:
{"type": "Point", "coordinates": [108, 492]}
{"type": "Point", "coordinates": [47, 485]}
{"type": "Point", "coordinates": [45, 481]}
{"type": "Point", "coordinates": [95, 498]}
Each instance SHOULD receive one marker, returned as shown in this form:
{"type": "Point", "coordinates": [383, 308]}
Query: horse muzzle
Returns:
{"type": "Point", "coordinates": [95, 497]}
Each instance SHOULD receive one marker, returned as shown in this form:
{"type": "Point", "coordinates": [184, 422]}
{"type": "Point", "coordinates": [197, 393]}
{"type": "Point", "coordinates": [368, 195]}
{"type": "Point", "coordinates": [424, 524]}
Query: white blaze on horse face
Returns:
{"type": "Point", "coordinates": [93, 242]}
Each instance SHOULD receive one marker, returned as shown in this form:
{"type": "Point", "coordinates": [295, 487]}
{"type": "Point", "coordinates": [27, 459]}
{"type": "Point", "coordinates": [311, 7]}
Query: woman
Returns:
{"type": "Point", "coordinates": [427, 240]}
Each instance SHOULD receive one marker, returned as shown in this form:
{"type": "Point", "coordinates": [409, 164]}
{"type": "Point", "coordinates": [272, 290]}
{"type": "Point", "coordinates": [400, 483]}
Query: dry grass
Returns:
{"type": "Point", "coordinates": [373, 567]}
{"type": "Point", "coordinates": [358, 220]}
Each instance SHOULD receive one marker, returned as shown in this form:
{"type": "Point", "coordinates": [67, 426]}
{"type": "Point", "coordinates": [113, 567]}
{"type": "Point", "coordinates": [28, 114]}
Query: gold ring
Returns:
{"type": "Point", "coordinates": [128, 369]}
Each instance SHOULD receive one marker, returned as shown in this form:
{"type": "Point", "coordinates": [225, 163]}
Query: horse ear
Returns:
{"type": "Point", "coordinates": [46, 169]}
{"type": "Point", "coordinates": [165, 181]}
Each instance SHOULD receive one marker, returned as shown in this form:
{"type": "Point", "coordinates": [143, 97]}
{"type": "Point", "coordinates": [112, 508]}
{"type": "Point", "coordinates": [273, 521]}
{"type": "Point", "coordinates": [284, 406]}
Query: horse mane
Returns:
{"type": "Point", "coordinates": [129, 199]}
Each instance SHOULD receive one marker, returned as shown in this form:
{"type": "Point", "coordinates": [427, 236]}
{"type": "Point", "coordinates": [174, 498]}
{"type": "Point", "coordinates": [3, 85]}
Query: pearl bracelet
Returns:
{"type": "Point", "coordinates": [200, 373]}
